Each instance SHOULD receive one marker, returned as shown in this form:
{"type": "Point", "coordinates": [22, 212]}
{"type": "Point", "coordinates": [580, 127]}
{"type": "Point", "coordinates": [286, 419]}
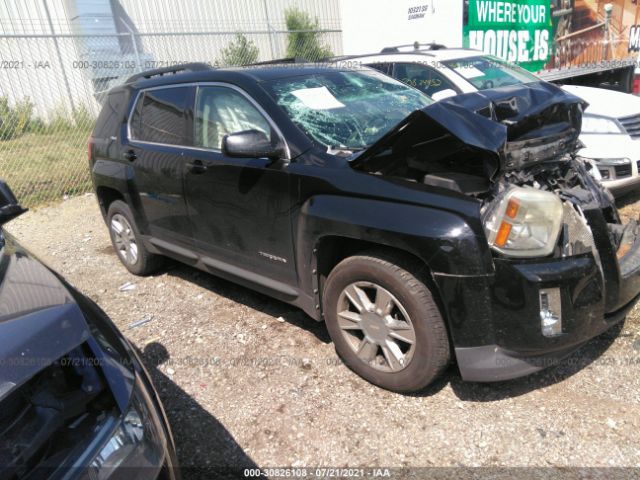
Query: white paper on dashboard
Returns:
{"type": "Point", "coordinates": [319, 98]}
{"type": "Point", "coordinates": [469, 71]}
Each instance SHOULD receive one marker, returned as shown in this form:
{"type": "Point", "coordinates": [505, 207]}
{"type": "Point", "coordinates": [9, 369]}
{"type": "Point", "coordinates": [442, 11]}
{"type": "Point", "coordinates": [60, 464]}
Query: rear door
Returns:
{"type": "Point", "coordinates": [239, 207]}
{"type": "Point", "coordinates": [158, 133]}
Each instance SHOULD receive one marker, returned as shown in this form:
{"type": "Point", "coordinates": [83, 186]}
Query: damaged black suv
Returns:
{"type": "Point", "coordinates": [418, 231]}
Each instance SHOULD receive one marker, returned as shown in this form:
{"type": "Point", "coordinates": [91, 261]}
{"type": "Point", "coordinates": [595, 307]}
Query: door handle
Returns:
{"type": "Point", "coordinates": [198, 167]}
{"type": "Point", "coordinates": [130, 155]}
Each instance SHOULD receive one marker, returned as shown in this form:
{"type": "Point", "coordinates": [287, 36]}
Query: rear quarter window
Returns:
{"type": "Point", "coordinates": [160, 116]}
{"type": "Point", "coordinates": [111, 115]}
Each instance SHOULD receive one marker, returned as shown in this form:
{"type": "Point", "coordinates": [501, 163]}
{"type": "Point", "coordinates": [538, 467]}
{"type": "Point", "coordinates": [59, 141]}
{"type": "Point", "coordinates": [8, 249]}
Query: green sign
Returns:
{"type": "Point", "coordinates": [518, 31]}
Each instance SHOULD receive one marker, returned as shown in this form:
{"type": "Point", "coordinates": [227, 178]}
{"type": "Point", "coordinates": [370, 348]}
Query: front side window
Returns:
{"type": "Point", "coordinates": [221, 111]}
{"type": "Point", "coordinates": [345, 109]}
{"type": "Point", "coordinates": [489, 72]}
{"type": "Point", "coordinates": [160, 117]}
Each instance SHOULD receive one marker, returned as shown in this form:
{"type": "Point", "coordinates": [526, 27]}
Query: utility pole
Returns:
{"type": "Point", "coordinates": [266, 14]}
{"type": "Point", "coordinates": [608, 9]}
{"type": "Point", "coordinates": [59, 53]}
{"type": "Point", "coordinates": [136, 52]}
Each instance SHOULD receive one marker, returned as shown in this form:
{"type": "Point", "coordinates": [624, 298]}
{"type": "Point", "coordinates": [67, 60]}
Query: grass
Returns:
{"type": "Point", "coordinates": [41, 168]}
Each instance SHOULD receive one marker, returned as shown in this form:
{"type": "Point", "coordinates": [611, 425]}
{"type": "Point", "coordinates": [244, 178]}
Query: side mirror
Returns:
{"type": "Point", "coordinates": [442, 94]}
{"type": "Point", "coordinates": [9, 206]}
{"type": "Point", "coordinates": [250, 144]}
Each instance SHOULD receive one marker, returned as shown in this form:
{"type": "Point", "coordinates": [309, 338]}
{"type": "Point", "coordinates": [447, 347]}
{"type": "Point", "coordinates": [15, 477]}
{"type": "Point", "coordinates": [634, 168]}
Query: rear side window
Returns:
{"type": "Point", "coordinates": [160, 116]}
{"type": "Point", "coordinates": [111, 115]}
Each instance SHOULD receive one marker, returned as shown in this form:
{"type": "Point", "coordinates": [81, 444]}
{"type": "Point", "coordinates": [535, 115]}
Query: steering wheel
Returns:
{"type": "Point", "coordinates": [356, 133]}
{"type": "Point", "coordinates": [355, 137]}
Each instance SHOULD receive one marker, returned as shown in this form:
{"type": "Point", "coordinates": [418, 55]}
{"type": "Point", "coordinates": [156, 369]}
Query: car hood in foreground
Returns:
{"type": "Point", "coordinates": [518, 125]}
{"type": "Point", "coordinates": [39, 319]}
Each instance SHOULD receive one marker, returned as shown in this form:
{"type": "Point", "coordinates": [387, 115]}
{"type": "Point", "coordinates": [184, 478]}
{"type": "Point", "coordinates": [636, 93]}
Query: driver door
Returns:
{"type": "Point", "coordinates": [239, 207]}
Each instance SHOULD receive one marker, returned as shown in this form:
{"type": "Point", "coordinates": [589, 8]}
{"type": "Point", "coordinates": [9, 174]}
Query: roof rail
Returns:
{"type": "Point", "coordinates": [416, 46]}
{"type": "Point", "coordinates": [279, 60]}
{"type": "Point", "coordinates": [158, 72]}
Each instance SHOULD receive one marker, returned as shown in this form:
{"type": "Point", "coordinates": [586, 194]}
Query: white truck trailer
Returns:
{"type": "Point", "coordinates": [582, 42]}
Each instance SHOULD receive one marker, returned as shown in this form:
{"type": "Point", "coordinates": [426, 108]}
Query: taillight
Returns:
{"type": "Point", "coordinates": [636, 85]}
{"type": "Point", "coordinates": [90, 149]}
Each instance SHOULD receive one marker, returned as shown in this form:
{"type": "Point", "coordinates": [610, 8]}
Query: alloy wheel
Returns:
{"type": "Point", "coordinates": [124, 239]}
{"type": "Point", "coordinates": [376, 326]}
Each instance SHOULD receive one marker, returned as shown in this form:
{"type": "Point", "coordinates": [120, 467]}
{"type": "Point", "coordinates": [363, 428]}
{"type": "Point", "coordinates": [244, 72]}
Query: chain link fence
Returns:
{"type": "Point", "coordinates": [52, 86]}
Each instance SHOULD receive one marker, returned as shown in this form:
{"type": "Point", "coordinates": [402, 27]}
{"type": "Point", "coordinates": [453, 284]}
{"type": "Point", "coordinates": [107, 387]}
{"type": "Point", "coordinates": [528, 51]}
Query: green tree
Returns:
{"type": "Point", "coordinates": [240, 51]}
{"type": "Point", "coordinates": [14, 120]}
{"type": "Point", "coordinates": [304, 40]}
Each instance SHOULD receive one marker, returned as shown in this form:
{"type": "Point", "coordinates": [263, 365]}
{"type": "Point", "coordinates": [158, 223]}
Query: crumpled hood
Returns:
{"type": "Point", "coordinates": [39, 319]}
{"type": "Point", "coordinates": [518, 125]}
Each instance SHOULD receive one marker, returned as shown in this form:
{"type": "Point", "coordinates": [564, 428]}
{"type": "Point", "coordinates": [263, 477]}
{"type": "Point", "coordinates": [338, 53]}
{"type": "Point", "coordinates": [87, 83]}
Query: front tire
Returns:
{"type": "Point", "coordinates": [127, 241]}
{"type": "Point", "coordinates": [384, 322]}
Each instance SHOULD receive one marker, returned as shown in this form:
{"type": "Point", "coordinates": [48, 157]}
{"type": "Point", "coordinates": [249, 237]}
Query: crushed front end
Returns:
{"type": "Point", "coordinates": [561, 267]}
{"type": "Point", "coordinates": [576, 275]}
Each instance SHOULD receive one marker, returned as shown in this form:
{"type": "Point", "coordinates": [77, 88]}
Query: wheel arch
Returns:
{"type": "Point", "coordinates": [106, 196]}
{"type": "Point", "coordinates": [116, 181]}
{"type": "Point", "coordinates": [332, 249]}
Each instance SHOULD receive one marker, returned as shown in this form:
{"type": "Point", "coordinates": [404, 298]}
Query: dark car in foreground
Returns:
{"type": "Point", "coordinates": [75, 400]}
{"type": "Point", "coordinates": [416, 230]}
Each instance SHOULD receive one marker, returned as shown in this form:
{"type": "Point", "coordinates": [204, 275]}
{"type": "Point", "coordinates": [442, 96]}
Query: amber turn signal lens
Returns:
{"type": "Point", "coordinates": [512, 208]}
{"type": "Point", "coordinates": [503, 234]}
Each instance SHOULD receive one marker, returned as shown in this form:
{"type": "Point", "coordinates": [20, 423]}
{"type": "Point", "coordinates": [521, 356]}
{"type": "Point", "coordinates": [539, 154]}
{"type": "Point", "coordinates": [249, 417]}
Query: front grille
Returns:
{"type": "Point", "coordinates": [623, 170]}
{"type": "Point", "coordinates": [631, 125]}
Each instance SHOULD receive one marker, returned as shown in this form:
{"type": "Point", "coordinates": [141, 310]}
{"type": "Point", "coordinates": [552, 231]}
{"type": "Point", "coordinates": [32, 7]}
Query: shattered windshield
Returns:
{"type": "Point", "coordinates": [485, 72]}
{"type": "Point", "coordinates": [345, 110]}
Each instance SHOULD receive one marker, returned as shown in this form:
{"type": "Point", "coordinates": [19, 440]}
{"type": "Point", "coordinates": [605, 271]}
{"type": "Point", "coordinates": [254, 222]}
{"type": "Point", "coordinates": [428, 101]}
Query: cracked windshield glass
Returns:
{"type": "Point", "coordinates": [346, 110]}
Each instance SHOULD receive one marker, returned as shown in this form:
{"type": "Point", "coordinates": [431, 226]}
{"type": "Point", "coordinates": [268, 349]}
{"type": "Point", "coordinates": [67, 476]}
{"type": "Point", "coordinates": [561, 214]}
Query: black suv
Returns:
{"type": "Point", "coordinates": [412, 228]}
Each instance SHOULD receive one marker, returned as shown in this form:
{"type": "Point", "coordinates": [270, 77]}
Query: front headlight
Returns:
{"type": "Point", "coordinates": [523, 222]}
{"type": "Point", "coordinates": [135, 444]}
{"type": "Point", "coordinates": [597, 124]}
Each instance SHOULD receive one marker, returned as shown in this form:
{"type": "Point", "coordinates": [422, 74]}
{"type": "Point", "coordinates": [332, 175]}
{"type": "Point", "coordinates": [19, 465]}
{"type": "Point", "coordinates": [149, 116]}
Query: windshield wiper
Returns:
{"type": "Point", "coordinates": [345, 151]}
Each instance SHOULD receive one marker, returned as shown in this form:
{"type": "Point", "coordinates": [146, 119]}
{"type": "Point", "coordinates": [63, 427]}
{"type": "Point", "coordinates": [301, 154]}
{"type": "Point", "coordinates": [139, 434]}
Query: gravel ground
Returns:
{"type": "Point", "coordinates": [247, 380]}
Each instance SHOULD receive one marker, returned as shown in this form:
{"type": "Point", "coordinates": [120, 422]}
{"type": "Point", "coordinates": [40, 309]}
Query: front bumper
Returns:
{"type": "Point", "coordinates": [623, 186]}
{"type": "Point", "coordinates": [495, 320]}
{"type": "Point", "coordinates": [492, 363]}
{"type": "Point", "coordinates": [616, 160]}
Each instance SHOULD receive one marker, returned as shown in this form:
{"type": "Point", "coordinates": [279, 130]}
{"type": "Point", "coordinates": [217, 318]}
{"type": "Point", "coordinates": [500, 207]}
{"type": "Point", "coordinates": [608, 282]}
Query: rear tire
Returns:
{"type": "Point", "coordinates": [384, 322]}
{"type": "Point", "coordinates": [127, 241]}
